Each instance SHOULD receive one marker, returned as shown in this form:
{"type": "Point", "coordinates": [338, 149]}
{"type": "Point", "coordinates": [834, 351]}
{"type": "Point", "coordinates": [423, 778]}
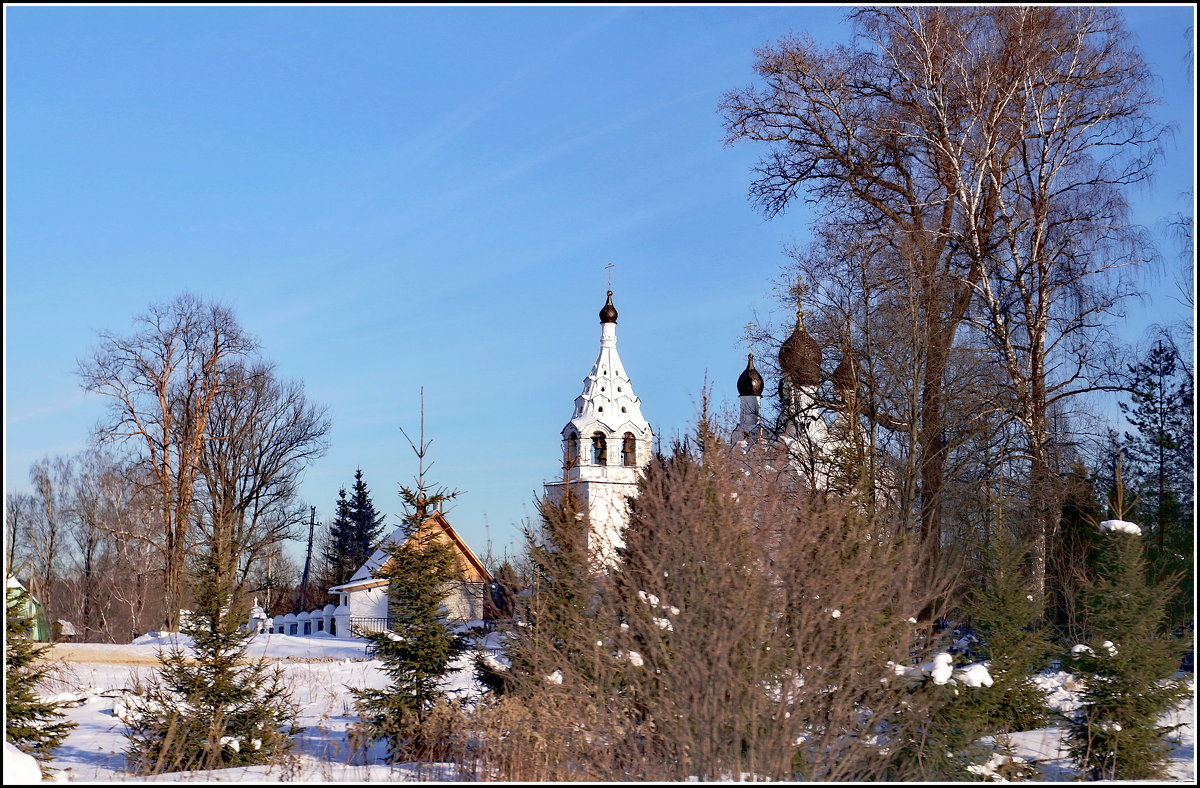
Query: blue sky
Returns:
{"type": "Point", "coordinates": [398, 197]}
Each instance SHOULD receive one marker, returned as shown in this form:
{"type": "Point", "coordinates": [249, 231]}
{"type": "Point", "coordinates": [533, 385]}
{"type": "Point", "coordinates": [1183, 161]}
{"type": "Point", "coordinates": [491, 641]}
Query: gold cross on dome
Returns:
{"type": "Point", "coordinates": [799, 290]}
{"type": "Point", "coordinates": [610, 268]}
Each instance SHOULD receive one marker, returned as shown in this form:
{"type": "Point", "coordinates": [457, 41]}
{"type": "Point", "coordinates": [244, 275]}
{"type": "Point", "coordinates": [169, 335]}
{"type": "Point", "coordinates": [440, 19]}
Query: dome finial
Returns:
{"type": "Point", "coordinates": [799, 291]}
{"type": "Point", "coordinates": [608, 314]}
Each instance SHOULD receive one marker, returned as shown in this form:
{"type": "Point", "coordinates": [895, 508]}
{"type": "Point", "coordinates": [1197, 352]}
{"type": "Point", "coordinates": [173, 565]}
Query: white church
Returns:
{"type": "Point", "coordinates": [606, 444]}
{"type": "Point", "coordinates": [608, 441]}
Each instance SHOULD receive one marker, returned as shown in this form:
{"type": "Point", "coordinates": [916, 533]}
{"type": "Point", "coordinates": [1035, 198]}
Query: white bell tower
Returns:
{"type": "Point", "coordinates": [605, 444]}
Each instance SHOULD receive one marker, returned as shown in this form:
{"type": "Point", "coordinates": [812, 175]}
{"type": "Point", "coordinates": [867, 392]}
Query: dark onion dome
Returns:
{"type": "Point", "coordinates": [845, 377]}
{"type": "Point", "coordinates": [800, 357]}
{"type": "Point", "coordinates": [750, 383]}
{"type": "Point", "coordinates": [608, 314]}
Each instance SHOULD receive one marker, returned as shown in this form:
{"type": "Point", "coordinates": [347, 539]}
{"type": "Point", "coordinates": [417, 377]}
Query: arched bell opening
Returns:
{"type": "Point", "coordinates": [629, 451]}
{"type": "Point", "coordinates": [572, 449]}
{"type": "Point", "coordinates": [599, 449]}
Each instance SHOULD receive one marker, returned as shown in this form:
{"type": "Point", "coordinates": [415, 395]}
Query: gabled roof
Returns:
{"type": "Point", "coordinates": [472, 568]}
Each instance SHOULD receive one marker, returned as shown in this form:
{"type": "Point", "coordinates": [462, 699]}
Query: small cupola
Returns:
{"type": "Point", "coordinates": [750, 383]}
{"type": "Point", "coordinates": [845, 377]}
{"type": "Point", "coordinates": [608, 314]}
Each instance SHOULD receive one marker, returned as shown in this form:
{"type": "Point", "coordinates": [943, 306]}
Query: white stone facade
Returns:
{"type": "Point", "coordinates": [605, 444]}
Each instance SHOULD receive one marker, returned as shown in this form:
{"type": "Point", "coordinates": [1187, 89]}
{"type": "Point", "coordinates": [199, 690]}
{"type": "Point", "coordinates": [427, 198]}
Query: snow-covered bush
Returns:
{"type": "Point", "coordinates": [713, 648]}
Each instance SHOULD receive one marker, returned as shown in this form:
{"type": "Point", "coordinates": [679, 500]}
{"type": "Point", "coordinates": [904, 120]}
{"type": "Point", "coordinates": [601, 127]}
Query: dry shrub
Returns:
{"type": "Point", "coordinates": [744, 634]}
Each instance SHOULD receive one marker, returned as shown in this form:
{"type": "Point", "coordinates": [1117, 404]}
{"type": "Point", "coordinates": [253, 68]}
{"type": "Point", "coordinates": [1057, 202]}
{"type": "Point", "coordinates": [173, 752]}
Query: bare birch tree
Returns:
{"type": "Point", "coordinates": [48, 531]}
{"type": "Point", "coordinates": [1077, 131]}
{"type": "Point", "coordinates": [263, 432]}
{"type": "Point", "coordinates": [18, 511]}
{"type": "Point", "coordinates": [163, 380]}
{"type": "Point", "coordinates": [988, 148]}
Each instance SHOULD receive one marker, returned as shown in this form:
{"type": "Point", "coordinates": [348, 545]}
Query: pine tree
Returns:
{"type": "Point", "coordinates": [210, 710]}
{"type": "Point", "coordinates": [35, 726]}
{"type": "Point", "coordinates": [1127, 666]}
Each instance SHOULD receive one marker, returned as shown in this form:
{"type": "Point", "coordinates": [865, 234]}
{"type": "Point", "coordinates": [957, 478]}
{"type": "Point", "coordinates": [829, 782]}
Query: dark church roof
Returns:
{"type": "Point", "coordinates": [750, 383]}
{"type": "Point", "coordinates": [845, 377]}
{"type": "Point", "coordinates": [800, 357]}
{"type": "Point", "coordinates": [608, 313]}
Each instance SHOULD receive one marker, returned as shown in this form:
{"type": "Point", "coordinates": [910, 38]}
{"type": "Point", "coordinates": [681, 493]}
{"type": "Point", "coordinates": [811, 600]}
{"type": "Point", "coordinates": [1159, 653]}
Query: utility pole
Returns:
{"type": "Point", "coordinates": [302, 600]}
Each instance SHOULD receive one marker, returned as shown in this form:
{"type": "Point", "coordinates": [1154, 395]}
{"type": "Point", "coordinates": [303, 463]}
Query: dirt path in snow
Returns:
{"type": "Point", "coordinates": [109, 654]}
{"type": "Point", "coordinates": [102, 653]}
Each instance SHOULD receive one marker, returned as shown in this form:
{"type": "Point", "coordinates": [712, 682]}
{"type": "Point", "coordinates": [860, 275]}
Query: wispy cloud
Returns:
{"type": "Point", "coordinates": [48, 409]}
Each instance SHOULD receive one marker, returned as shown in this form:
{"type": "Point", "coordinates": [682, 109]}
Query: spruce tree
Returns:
{"type": "Point", "coordinates": [339, 552]}
{"type": "Point", "coordinates": [1004, 611]}
{"type": "Point", "coordinates": [355, 532]}
{"type": "Point", "coordinates": [1128, 664]}
{"type": "Point", "coordinates": [420, 643]}
{"type": "Point", "coordinates": [35, 726]}
{"type": "Point", "coordinates": [1006, 614]}
{"type": "Point", "coordinates": [553, 695]}
{"type": "Point", "coordinates": [366, 524]}
{"type": "Point", "coordinates": [211, 710]}
{"type": "Point", "coordinates": [1161, 454]}
{"type": "Point", "coordinates": [1072, 555]}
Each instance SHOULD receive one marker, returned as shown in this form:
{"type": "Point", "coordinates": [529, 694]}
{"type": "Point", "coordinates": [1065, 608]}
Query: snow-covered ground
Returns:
{"type": "Point", "coordinates": [320, 670]}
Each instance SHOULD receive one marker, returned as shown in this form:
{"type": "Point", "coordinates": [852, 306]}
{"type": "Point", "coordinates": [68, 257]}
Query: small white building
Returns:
{"type": "Point", "coordinates": [365, 596]}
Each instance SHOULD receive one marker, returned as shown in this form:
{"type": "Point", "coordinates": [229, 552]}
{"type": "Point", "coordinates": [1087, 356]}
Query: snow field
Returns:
{"type": "Point", "coordinates": [319, 672]}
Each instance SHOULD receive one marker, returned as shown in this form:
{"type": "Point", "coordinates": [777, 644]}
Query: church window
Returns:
{"type": "Point", "coordinates": [622, 408]}
{"type": "Point", "coordinates": [601, 408]}
{"type": "Point", "coordinates": [573, 449]}
{"type": "Point", "coordinates": [629, 451]}
{"type": "Point", "coordinates": [599, 449]}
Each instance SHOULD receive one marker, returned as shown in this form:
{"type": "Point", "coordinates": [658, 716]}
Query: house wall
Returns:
{"type": "Point", "coordinates": [368, 603]}
{"type": "Point", "coordinates": [465, 602]}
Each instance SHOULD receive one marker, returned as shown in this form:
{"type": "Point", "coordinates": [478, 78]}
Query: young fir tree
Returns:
{"type": "Point", "coordinates": [1072, 554]}
{"type": "Point", "coordinates": [210, 710]}
{"type": "Point", "coordinates": [1128, 665]}
{"type": "Point", "coordinates": [420, 643]}
{"type": "Point", "coordinates": [1005, 614]}
{"type": "Point", "coordinates": [552, 693]}
{"type": "Point", "coordinates": [35, 726]}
